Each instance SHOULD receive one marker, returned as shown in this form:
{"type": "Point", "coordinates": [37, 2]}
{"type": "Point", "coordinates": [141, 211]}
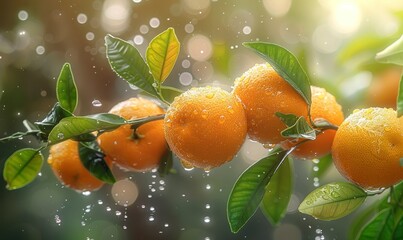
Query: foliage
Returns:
{"type": "Point", "coordinates": [267, 184]}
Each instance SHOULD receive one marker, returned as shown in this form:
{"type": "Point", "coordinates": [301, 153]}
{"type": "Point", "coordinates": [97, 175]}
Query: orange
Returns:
{"type": "Point", "coordinates": [382, 91]}
{"type": "Point", "coordinates": [65, 162]}
{"type": "Point", "coordinates": [324, 106]}
{"type": "Point", "coordinates": [205, 127]}
{"type": "Point", "coordinates": [139, 150]}
{"type": "Point", "coordinates": [368, 147]}
{"type": "Point", "coordinates": [263, 93]}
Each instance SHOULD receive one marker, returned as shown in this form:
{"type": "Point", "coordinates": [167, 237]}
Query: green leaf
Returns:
{"type": "Point", "coordinates": [127, 62]}
{"type": "Point", "coordinates": [66, 89]}
{"type": "Point", "coordinates": [286, 65]}
{"type": "Point", "coordinates": [165, 166]}
{"type": "Point", "coordinates": [56, 114]}
{"type": "Point", "coordinates": [398, 233]}
{"type": "Point", "coordinates": [22, 167]}
{"type": "Point", "coordinates": [380, 227]}
{"type": "Point", "coordinates": [322, 166]}
{"type": "Point", "coordinates": [362, 46]}
{"type": "Point", "coordinates": [392, 54]}
{"type": "Point", "coordinates": [361, 220]}
{"type": "Point", "coordinates": [399, 104]}
{"type": "Point", "coordinates": [278, 193]}
{"type": "Point", "coordinates": [333, 201]}
{"type": "Point", "coordinates": [169, 93]}
{"type": "Point", "coordinates": [287, 119]}
{"type": "Point", "coordinates": [249, 189]}
{"type": "Point", "coordinates": [162, 53]}
{"type": "Point", "coordinates": [300, 129]}
{"type": "Point", "coordinates": [73, 127]}
{"type": "Point", "coordinates": [94, 161]}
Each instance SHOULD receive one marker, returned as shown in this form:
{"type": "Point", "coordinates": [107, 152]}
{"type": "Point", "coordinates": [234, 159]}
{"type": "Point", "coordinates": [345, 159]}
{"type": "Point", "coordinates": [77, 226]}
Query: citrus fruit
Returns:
{"type": "Point", "coordinates": [65, 162]}
{"type": "Point", "coordinates": [140, 149]}
{"type": "Point", "coordinates": [324, 106]}
{"type": "Point", "coordinates": [205, 126]}
{"type": "Point", "coordinates": [382, 91]}
{"type": "Point", "coordinates": [263, 93]}
{"type": "Point", "coordinates": [368, 148]}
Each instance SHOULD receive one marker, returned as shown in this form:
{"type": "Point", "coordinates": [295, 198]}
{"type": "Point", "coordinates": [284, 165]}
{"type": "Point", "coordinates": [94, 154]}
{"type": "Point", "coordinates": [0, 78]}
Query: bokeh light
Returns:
{"type": "Point", "coordinates": [124, 192]}
{"type": "Point", "coordinates": [199, 47]}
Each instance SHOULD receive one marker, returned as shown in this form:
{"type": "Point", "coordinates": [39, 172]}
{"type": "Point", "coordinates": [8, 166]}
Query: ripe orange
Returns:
{"type": "Point", "coordinates": [384, 88]}
{"type": "Point", "coordinates": [139, 151]}
{"type": "Point", "coordinates": [368, 147]}
{"type": "Point", "coordinates": [205, 127]}
{"type": "Point", "coordinates": [325, 106]}
{"type": "Point", "coordinates": [263, 93]}
{"type": "Point", "coordinates": [65, 162]}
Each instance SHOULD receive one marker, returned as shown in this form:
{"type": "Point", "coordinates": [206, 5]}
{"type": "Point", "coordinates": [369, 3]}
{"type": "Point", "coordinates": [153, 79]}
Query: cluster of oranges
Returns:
{"type": "Point", "coordinates": [205, 127]}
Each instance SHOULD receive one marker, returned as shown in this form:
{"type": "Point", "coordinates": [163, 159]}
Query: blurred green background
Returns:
{"type": "Point", "coordinates": [336, 42]}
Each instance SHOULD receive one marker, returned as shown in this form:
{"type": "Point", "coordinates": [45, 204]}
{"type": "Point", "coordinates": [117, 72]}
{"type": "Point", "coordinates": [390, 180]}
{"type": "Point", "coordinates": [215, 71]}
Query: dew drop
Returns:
{"type": "Point", "coordinates": [40, 50]}
{"type": "Point", "coordinates": [208, 206]}
{"type": "Point", "coordinates": [151, 218]}
{"type": "Point", "coordinates": [208, 186]}
{"type": "Point", "coordinates": [187, 165]}
{"type": "Point", "coordinates": [118, 213]}
{"type": "Point", "coordinates": [96, 103]}
{"type": "Point", "coordinates": [58, 220]}
{"type": "Point", "coordinates": [221, 119]}
{"type": "Point", "coordinates": [61, 136]}
{"type": "Point", "coordinates": [85, 193]}
{"type": "Point", "coordinates": [23, 15]}
{"type": "Point", "coordinates": [207, 219]}
{"type": "Point", "coordinates": [204, 114]}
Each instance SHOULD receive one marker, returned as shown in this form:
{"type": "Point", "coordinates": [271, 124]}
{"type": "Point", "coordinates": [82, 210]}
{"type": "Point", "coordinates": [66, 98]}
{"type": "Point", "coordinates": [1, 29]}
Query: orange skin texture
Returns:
{"type": "Point", "coordinates": [205, 127]}
{"type": "Point", "coordinates": [384, 88]}
{"type": "Point", "coordinates": [66, 165]}
{"type": "Point", "coordinates": [135, 154]}
{"type": "Point", "coordinates": [263, 93]}
{"type": "Point", "coordinates": [325, 106]}
{"type": "Point", "coordinates": [368, 146]}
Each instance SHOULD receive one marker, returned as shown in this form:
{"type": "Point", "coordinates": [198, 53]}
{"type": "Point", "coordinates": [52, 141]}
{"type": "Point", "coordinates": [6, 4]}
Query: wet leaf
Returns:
{"type": "Point", "coordinates": [127, 62]}
{"type": "Point", "coordinates": [333, 201]}
{"type": "Point", "coordinates": [398, 233]}
{"type": "Point", "coordinates": [278, 193]}
{"type": "Point", "coordinates": [299, 128]}
{"type": "Point", "coordinates": [392, 54]}
{"type": "Point", "coordinates": [323, 165]}
{"type": "Point", "coordinates": [56, 114]}
{"type": "Point", "coordinates": [380, 227]}
{"type": "Point", "coordinates": [22, 167]}
{"type": "Point", "coordinates": [387, 202]}
{"type": "Point", "coordinates": [287, 119]}
{"type": "Point", "coordinates": [286, 65]}
{"type": "Point", "coordinates": [162, 53]}
{"type": "Point", "coordinates": [361, 220]}
{"type": "Point", "coordinates": [73, 127]}
{"type": "Point", "coordinates": [94, 161]}
{"type": "Point", "coordinates": [66, 89]}
{"type": "Point", "coordinates": [249, 189]}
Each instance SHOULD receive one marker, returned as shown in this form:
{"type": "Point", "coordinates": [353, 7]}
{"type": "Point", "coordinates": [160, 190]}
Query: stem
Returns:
{"type": "Point", "coordinates": [18, 135]}
{"type": "Point", "coordinates": [159, 93]}
{"type": "Point", "coordinates": [140, 121]}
